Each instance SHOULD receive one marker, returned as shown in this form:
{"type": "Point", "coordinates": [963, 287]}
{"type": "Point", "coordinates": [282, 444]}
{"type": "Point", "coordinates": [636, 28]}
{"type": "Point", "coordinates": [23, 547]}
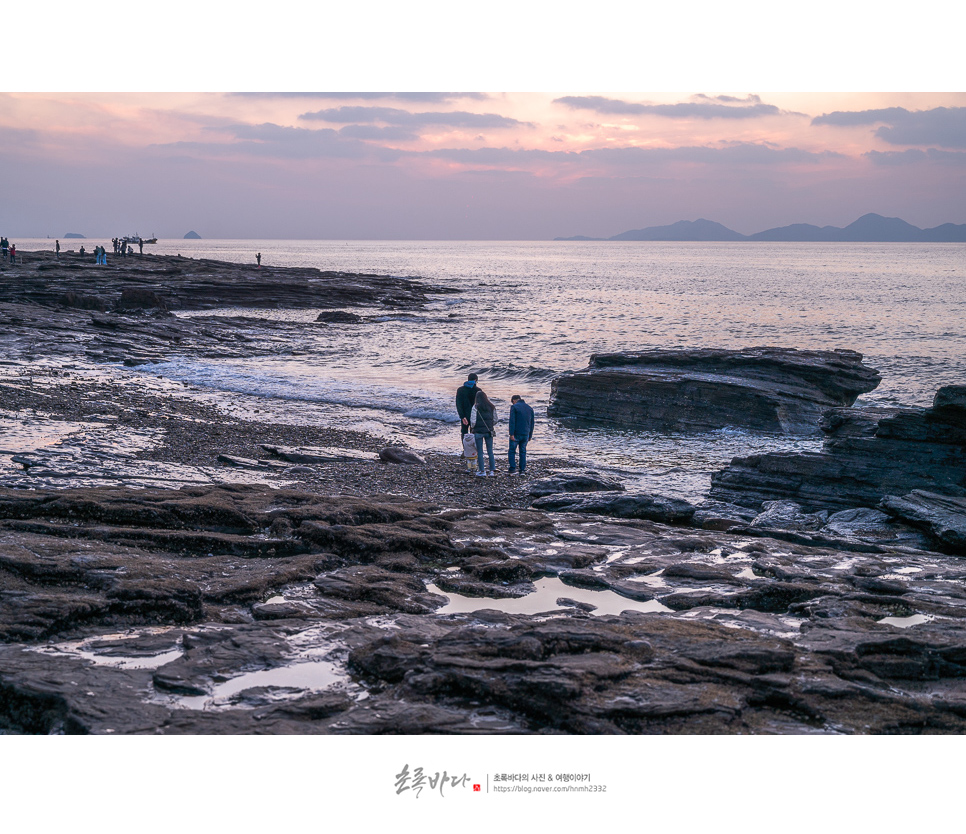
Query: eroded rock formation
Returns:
{"type": "Point", "coordinates": [868, 454]}
{"type": "Point", "coordinates": [764, 389]}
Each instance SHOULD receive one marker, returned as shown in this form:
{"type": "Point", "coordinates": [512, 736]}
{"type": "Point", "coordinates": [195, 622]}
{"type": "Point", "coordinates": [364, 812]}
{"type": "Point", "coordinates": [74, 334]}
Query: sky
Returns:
{"type": "Point", "coordinates": [467, 165]}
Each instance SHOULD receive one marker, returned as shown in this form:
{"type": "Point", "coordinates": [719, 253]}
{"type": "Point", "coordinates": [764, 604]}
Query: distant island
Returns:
{"type": "Point", "coordinates": [870, 228]}
{"type": "Point", "coordinates": [74, 235]}
{"type": "Point", "coordinates": [192, 236]}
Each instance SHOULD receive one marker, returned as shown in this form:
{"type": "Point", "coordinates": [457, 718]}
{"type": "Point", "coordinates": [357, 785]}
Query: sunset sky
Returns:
{"type": "Point", "coordinates": [470, 165]}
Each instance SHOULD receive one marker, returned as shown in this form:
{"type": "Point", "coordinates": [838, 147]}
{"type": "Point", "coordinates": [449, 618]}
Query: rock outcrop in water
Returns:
{"type": "Point", "coordinates": [69, 306]}
{"type": "Point", "coordinates": [177, 283]}
{"type": "Point", "coordinates": [762, 389]}
{"type": "Point", "coordinates": [868, 454]}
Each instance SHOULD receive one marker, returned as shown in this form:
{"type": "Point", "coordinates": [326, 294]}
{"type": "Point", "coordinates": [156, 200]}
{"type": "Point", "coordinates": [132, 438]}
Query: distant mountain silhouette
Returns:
{"type": "Point", "coordinates": [683, 230]}
{"type": "Point", "coordinates": [192, 236]}
{"type": "Point", "coordinates": [798, 231]}
{"type": "Point", "coordinates": [870, 228]}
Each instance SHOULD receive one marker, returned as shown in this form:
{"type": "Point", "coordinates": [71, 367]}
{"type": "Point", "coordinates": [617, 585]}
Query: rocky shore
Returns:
{"type": "Point", "coordinates": [174, 563]}
{"type": "Point", "coordinates": [242, 609]}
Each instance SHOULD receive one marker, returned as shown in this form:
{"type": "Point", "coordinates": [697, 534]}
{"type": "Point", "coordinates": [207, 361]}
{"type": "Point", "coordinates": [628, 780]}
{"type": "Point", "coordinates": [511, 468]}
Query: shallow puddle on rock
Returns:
{"type": "Point", "coordinates": [152, 662]}
{"type": "Point", "coordinates": [787, 628]}
{"type": "Point", "coordinates": [905, 622]}
{"type": "Point", "coordinates": [615, 554]}
{"type": "Point", "coordinates": [304, 676]}
{"type": "Point", "coordinates": [652, 580]}
{"type": "Point", "coordinates": [81, 649]}
{"type": "Point", "coordinates": [544, 600]}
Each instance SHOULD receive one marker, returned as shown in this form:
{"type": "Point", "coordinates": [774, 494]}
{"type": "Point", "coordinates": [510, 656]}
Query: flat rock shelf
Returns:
{"type": "Point", "coordinates": [765, 389]}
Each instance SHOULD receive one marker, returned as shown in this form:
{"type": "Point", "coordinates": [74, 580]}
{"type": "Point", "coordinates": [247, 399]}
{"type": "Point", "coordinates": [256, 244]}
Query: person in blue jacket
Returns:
{"type": "Point", "coordinates": [521, 430]}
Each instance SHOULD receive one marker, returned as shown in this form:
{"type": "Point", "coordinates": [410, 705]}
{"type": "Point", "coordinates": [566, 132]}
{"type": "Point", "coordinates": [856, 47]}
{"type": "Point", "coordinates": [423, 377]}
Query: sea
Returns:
{"type": "Point", "coordinates": [526, 311]}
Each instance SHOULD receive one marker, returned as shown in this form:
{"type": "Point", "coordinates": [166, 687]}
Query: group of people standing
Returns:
{"type": "Point", "coordinates": [477, 428]}
{"type": "Point", "coordinates": [123, 248]}
{"type": "Point", "coordinates": [6, 248]}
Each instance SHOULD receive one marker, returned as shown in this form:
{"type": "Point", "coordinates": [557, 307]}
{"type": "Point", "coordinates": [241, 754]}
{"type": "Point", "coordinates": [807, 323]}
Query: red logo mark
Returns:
{"type": "Point", "coordinates": [476, 787]}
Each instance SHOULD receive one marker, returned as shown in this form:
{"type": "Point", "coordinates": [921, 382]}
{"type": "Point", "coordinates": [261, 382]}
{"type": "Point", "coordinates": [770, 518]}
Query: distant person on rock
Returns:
{"type": "Point", "coordinates": [13, 254]}
{"type": "Point", "coordinates": [140, 247]}
{"type": "Point", "coordinates": [258, 259]}
{"type": "Point", "coordinates": [83, 251]}
{"type": "Point", "coordinates": [4, 247]}
{"type": "Point", "coordinates": [56, 248]}
{"type": "Point", "coordinates": [521, 432]}
{"type": "Point", "coordinates": [482, 421]}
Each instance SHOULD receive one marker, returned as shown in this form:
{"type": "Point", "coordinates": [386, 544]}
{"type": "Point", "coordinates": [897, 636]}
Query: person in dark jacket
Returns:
{"type": "Point", "coordinates": [483, 421]}
{"type": "Point", "coordinates": [521, 430]}
{"type": "Point", "coordinates": [465, 398]}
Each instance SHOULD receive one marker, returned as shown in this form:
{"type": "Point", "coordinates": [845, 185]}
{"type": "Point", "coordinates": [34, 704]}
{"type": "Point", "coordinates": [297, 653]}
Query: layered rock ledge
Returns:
{"type": "Point", "coordinates": [173, 282]}
{"type": "Point", "coordinates": [868, 454]}
{"type": "Point", "coordinates": [762, 389]}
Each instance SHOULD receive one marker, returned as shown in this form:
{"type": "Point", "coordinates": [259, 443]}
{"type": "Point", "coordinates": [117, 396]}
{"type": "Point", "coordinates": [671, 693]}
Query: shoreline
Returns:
{"type": "Point", "coordinates": [194, 430]}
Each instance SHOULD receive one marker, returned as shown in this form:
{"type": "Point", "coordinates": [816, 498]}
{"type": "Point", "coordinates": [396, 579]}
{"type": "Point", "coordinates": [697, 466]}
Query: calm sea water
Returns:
{"type": "Point", "coordinates": [528, 311]}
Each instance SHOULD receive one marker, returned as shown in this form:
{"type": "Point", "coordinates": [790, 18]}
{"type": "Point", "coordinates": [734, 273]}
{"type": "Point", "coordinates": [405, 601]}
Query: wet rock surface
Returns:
{"type": "Point", "coordinates": [620, 505]}
{"type": "Point", "coordinates": [867, 455]}
{"type": "Point", "coordinates": [942, 517]}
{"type": "Point", "coordinates": [397, 454]}
{"type": "Point", "coordinates": [764, 389]}
{"type": "Point", "coordinates": [243, 609]}
{"type": "Point", "coordinates": [787, 515]}
{"type": "Point", "coordinates": [574, 482]}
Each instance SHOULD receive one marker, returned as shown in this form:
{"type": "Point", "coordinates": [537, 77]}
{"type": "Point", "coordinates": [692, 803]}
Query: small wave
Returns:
{"type": "Point", "coordinates": [406, 317]}
{"type": "Point", "coordinates": [510, 371]}
{"type": "Point", "coordinates": [413, 404]}
{"type": "Point", "coordinates": [731, 432]}
{"type": "Point", "coordinates": [432, 414]}
{"type": "Point", "coordinates": [432, 362]}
